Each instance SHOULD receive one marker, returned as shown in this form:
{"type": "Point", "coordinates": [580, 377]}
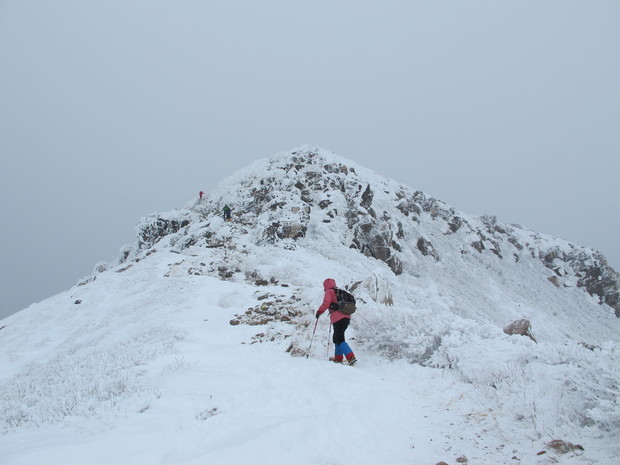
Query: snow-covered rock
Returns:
{"type": "Point", "coordinates": [310, 196]}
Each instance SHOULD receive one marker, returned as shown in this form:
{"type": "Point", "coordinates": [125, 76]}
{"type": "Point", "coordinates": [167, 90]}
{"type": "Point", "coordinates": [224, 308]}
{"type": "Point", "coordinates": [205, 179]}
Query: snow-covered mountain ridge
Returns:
{"type": "Point", "coordinates": [312, 194]}
{"type": "Point", "coordinates": [199, 316]}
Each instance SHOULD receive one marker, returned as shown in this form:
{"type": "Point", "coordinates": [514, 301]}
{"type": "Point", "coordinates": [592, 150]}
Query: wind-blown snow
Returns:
{"type": "Point", "coordinates": [148, 369]}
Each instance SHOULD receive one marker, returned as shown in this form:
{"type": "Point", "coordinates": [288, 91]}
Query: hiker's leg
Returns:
{"type": "Point", "coordinates": [338, 339]}
{"type": "Point", "coordinates": [344, 347]}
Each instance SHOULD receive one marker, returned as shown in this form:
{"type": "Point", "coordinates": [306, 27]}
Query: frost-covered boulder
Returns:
{"type": "Point", "coordinates": [376, 239]}
{"type": "Point", "coordinates": [154, 227]}
{"type": "Point", "coordinates": [426, 248]}
{"type": "Point", "coordinates": [521, 327]}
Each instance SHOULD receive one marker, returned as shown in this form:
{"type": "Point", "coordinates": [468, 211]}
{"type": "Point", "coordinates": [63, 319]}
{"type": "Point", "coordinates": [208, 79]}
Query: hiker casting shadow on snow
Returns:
{"type": "Point", "coordinates": [340, 322]}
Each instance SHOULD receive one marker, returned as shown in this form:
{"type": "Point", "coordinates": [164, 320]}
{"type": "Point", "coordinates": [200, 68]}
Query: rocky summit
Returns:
{"type": "Point", "coordinates": [309, 197]}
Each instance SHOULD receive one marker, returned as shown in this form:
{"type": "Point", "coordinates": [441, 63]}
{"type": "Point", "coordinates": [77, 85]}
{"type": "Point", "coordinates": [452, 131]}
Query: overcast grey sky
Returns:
{"type": "Point", "coordinates": [111, 110]}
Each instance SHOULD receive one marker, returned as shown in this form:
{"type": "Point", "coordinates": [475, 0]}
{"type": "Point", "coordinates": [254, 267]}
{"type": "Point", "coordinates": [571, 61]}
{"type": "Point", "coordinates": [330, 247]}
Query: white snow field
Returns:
{"type": "Point", "coordinates": [177, 355]}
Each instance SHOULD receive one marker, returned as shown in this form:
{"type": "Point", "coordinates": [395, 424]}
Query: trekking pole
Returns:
{"type": "Point", "coordinates": [328, 337]}
{"type": "Point", "coordinates": [312, 338]}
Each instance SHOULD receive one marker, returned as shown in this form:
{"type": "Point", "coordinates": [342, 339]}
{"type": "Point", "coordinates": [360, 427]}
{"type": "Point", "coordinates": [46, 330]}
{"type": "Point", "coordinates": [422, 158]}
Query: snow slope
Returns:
{"type": "Point", "coordinates": [192, 348]}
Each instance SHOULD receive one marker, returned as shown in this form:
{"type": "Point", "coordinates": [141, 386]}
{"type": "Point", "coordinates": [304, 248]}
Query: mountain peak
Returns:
{"type": "Point", "coordinates": [309, 197]}
{"type": "Point", "coordinates": [303, 158]}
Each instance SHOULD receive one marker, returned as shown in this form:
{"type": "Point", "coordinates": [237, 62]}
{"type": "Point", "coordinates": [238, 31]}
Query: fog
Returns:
{"type": "Point", "coordinates": [113, 110]}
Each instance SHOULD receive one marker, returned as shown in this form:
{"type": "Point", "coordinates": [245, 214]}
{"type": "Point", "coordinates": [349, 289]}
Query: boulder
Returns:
{"type": "Point", "coordinates": [153, 228]}
{"type": "Point", "coordinates": [367, 197]}
{"type": "Point", "coordinates": [375, 240]}
{"type": "Point", "coordinates": [521, 327]}
{"type": "Point", "coordinates": [427, 249]}
{"type": "Point", "coordinates": [563, 447]}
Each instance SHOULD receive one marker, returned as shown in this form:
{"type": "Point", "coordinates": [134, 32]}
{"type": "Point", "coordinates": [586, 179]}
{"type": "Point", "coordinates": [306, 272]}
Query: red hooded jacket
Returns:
{"type": "Point", "coordinates": [330, 297]}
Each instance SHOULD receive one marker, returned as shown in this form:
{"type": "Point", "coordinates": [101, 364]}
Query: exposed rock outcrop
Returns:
{"type": "Point", "coordinates": [563, 447]}
{"type": "Point", "coordinates": [521, 327]}
{"type": "Point", "coordinates": [153, 228]}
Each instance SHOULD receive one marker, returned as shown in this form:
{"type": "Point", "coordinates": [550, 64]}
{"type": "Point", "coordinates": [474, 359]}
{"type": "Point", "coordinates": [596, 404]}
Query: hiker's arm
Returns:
{"type": "Point", "coordinates": [328, 298]}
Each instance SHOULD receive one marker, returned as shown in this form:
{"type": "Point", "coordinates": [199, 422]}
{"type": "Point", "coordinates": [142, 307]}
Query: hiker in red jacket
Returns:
{"type": "Point", "coordinates": [339, 321]}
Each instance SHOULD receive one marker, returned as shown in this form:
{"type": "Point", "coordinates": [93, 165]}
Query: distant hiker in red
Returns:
{"type": "Point", "coordinates": [200, 194]}
{"type": "Point", "coordinates": [339, 321]}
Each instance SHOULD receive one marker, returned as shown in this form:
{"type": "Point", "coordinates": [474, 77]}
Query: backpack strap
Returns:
{"type": "Point", "coordinates": [335, 289]}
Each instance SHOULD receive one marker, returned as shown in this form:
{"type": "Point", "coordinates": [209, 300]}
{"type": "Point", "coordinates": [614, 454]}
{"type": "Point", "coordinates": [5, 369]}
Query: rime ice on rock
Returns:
{"type": "Point", "coordinates": [309, 193]}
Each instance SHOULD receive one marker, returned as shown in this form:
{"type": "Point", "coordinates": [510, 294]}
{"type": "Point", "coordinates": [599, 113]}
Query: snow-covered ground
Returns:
{"type": "Point", "coordinates": [154, 373]}
{"type": "Point", "coordinates": [192, 348]}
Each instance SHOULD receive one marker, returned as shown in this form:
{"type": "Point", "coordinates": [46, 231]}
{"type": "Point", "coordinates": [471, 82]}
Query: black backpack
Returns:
{"type": "Point", "coordinates": [346, 302]}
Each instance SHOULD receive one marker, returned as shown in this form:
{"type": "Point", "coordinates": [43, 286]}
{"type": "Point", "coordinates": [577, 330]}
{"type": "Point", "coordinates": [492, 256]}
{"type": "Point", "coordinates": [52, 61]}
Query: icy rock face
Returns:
{"type": "Point", "coordinates": [152, 228]}
{"type": "Point", "coordinates": [591, 270]}
{"type": "Point", "coordinates": [373, 236]}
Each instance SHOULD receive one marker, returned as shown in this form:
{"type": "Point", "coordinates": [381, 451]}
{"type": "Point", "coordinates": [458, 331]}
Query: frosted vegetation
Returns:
{"type": "Point", "coordinates": [207, 317]}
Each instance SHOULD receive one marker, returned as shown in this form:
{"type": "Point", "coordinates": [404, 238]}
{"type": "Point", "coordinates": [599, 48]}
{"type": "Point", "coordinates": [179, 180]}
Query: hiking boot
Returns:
{"type": "Point", "coordinates": [333, 359]}
{"type": "Point", "coordinates": [352, 361]}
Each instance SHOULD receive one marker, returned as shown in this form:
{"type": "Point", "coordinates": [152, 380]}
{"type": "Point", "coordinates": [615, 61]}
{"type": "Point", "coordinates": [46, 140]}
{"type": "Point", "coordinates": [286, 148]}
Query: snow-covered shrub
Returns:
{"type": "Point", "coordinates": [81, 381]}
{"type": "Point", "coordinates": [559, 389]}
{"type": "Point", "coordinates": [409, 334]}
{"type": "Point", "coordinates": [375, 287]}
{"type": "Point", "coordinates": [126, 254]}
